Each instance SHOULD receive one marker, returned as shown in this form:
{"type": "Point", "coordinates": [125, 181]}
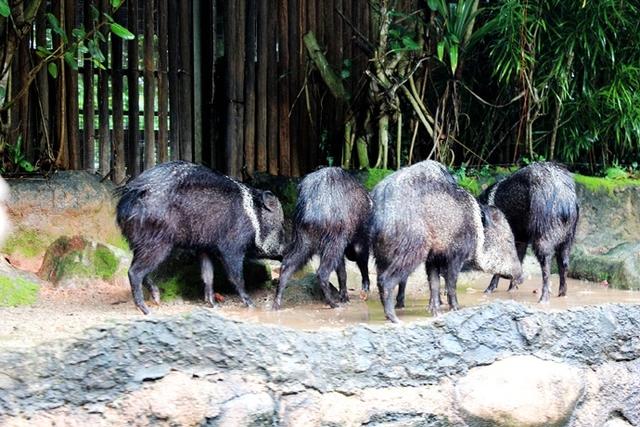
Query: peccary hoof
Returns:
{"type": "Point", "coordinates": [344, 298]}
{"type": "Point", "coordinates": [143, 308]}
{"type": "Point", "coordinates": [400, 304]}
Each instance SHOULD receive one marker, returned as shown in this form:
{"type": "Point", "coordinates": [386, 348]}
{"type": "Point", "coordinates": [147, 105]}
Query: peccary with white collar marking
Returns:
{"type": "Point", "coordinates": [421, 215]}
{"type": "Point", "coordinates": [330, 219]}
{"type": "Point", "coordinates": [541, 206]}
{"type": "Point", "coordinates": [181, 204]}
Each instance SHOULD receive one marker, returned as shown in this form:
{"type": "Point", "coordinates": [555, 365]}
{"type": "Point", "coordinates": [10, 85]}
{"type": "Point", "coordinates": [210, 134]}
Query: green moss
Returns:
{"type": "Point", "coordinates": [105, 262]}
{"type": "Point", "coordinates": [17, 291]}
{"type": "Point", "coordinates": [595, 184]}
{"type": "Point", "coordinates": [119, 241]}
{"type": "Point", "coordinates": [374, 176]}
{"type": "Point", "coordinates": [29, 243]}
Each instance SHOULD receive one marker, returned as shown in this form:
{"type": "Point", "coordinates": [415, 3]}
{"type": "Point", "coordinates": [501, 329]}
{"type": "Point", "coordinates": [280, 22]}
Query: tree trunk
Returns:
{"type": "Point", "coordinates": [119, 168]}
{"type": "Point", "coordinates": [103, 105]}
{"type": "Point", "coordinates": [62, 159]}
{"type": "Point", "coordinates": [87, 104]}
{"type": "Point", "coordinates": [249, 88]}
{"type": "Point", "coordinates": [272, 90]}
{"type": "Point", "coordinates": [185, 81]}
{"type": "Point", "coordinates": [43, 88]}
{"type": "Point", "coordinates": [235, 56]}
{"type": "Point", "coordinates": [72, 94]}
{"type": "Point", "coordinates": [133, 74]}
{"type": "Point", "coordinates": [262, 73]}
{"type": "Point", "coordinates": [149, 88]}
{"type": "Point", "coordinates": [283, 88]}
{"type": "Point", "coordinates": [163, 82]}
{"type": "Point", "coordinates": [175, 118]}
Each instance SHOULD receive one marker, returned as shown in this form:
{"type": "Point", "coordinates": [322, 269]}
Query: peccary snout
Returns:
{"type": "Point", "coordinates": [181, 204]}
{"type": "Point", "coordinates": [499, 255]}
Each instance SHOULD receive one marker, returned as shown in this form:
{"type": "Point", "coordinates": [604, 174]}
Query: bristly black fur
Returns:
{"type": "Point", "coordinates": [330, 220]}
{"type": "Point", "coordinates": [541, 206]}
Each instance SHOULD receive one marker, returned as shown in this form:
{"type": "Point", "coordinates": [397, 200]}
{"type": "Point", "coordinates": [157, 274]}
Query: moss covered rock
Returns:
{"type": "Point", "coordinates": [179, 277]}
{"type": "Point", "coordinates": [17, 287]}
{"type": "Point", "coordinates": [620, 266]}
{"type": "Point", "coordinates": [71, 258]}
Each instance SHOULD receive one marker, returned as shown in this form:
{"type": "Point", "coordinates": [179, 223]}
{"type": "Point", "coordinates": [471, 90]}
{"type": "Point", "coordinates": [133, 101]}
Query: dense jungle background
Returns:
{"type": "Point", "coordinates": [283, 86]}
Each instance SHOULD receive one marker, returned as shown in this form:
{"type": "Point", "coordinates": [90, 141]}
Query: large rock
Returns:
{"type": "Point", "coordinates": [66, 203]}
{"type": "Point", "coordinates": [374, 375]}
{"type": "Point", "coordinates": [607, 245]}
{"type": "Point", "coordinates": [17, 287]}
{"type": "Point", "coordinates": [520, 390]}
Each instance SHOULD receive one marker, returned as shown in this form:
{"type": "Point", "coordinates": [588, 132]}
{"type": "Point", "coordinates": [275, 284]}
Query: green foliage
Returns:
{"type": "Point", "coordinates": [28, 243]}
{"type": "Point", "coordinates": [105, 262]}
{"type": "Point", "coordinates": [16, 291]}
{"type": "Point", "coordinates": [16, 158]}
{"type": "Point", "coordinates": [5, 10]}
{"type": "Point", "coordinates": [374, 176]}
{"type": "Point", "coordinates": [596, 184]}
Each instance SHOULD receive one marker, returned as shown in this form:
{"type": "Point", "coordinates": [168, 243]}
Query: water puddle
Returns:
{"type": "Point", "coordinates": [470, 293]}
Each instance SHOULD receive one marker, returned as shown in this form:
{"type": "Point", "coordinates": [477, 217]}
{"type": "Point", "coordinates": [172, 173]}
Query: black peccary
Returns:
{"type": "Point", "coordinates": [330, 219]}
{"type": "Point", "coordinates": [181, 204]}
{"type": "Point", "coordinates": [420, 214]}
{"type": "Point", "coordinates": [541, 206]}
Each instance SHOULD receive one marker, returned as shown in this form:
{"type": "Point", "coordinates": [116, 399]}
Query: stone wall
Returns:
{"type": "Point", "coordinates": [577, 367]}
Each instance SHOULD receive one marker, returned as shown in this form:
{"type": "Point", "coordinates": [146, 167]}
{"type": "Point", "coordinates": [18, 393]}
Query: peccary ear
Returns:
{"type": "Point", "coordinates": [270, 201]}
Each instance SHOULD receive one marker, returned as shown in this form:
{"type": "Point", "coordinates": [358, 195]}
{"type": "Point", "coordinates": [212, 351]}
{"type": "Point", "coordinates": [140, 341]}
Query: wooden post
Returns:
{"type": "Point", "coordinates": [103, 105]}
{"type": "Point", "coordinates": [250, 87]}
{"type": "Point", "coordinates": [119, 169]}
{"type": "Point", "coordinates": [62, 158]}
{"type": "Point", "coordinates": [262, 76]}
{"type": "Point", "coordinates": [283, 88]}
{"type": "Point", "coordinates": [163, 82]}
{"type": "Point", "coordinates": [149, 88]}
{"type": "Point", "coordinates": [272, 91]}
{"type": "Point", "coordinates": [197, 81]}
{"type": "Point", "coordinates": [174, 83]}
{"type": "Point", "coordinates": [185, 79]}
{"type": "Point", "coordinates": [133, 74]}
{"type": "Point", "coordinates": [212, 111]}
{"type": "Point", "coordinates": [87, 103]}
{"type": "Point", "coordinates": [235, 56]}
{"type": "Point", "coordinates": [295, 67]}
{"type": "Point", "coordinates": [72, 93]}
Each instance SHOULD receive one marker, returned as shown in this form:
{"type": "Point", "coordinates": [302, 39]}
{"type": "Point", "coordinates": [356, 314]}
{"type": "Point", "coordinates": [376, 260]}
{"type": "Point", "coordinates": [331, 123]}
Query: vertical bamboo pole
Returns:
{"type": "Point", "coordinates": [283, 88]}
{"type": "Point", "coordinates": [272, 91]}
{"type": "Point", "coordinates": [72, 93]}
{"type": "Point", "coordinates": [250, 87]}
{"type": "Point", "coordinates": [261, 96]}
{"type": "Point", "coordinates": [197, 81]}
{"type": "Point", "coordinates": [103, 105]}
{"type": "Point", "coordinates": [133, 75]}
{"type": "Point", "coordinates": [174, 83]}
{"type": "Point", "coordinates": [185, 80]}
{"type": "Point", "coordinates": [88, 109]}
{"type": "Point", "coordinates": [119, 169]}
{"type": "Point", "coordinates": [149, 88]}
{"type": "Point", "coordinates": [163, 82]}
{"type": "Point", "coordinates": [235, 56]}
{"type": "Point", "coordinates": [43, 85]}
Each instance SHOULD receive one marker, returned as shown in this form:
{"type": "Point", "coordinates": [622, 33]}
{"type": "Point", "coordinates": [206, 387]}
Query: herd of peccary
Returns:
{"type": "Point", "coordinates": [417, 215]}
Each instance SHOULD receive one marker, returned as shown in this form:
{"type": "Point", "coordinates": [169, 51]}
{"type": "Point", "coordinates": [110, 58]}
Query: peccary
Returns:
{"type": "Point", "coordinates": [541, 206]}
{"type": "Point", "coordinates": [181, 204]}
{"type": "Point", "coordinates": [421, 215]}
{"type": "Point", "coordinates": [330, 219]}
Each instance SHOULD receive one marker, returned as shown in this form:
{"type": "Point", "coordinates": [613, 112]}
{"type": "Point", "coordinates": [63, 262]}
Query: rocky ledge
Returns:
{"type": "Point", "coordinates": [499, 364]}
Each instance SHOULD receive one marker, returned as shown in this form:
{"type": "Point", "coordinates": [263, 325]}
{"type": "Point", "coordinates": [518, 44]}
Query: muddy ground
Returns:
{"type": "Point", "coordinates": [62, 313]}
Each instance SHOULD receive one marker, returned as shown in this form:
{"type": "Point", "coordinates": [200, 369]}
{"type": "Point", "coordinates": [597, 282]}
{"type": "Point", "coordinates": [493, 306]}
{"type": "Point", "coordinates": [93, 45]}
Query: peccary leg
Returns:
{"type": "Point", "coordinates": [385, 287]}
{"type": "Point", "coordinates": [433, 276]}
{"type": "Point", "coordinates": [521, 249]}
{"type": "Point", "coordinates": [545, 263]}
{"type": "Point", "coordinates": [206, 271]}
{"type": "Point", "coordinates": [291, 263]}
{"type": "Point", "coordinates": [451, 279]}
{"type": "Point", "coordinates": [324, 270]}
{"type": "Point", "coordinates": [144, 262]}
{"type": "Point", "coordinates": [400, 297]}
{"type": "Point", "coordinates": [363, 264]}
{"type": "Point", "coordinates": [232, 263]}
{"type": "Point", "coordinates": [493, 284]}
{"type": "Point", "coordinates": [152, 288]}
{"type": "Point", "coordinates": [562, 256]}
{"type": "Point", "coordinates": [341, 272]}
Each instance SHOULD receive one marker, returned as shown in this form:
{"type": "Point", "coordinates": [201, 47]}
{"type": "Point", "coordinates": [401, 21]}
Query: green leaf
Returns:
{"type": "Point", "coordinates": [109, 17]}
{"type": "Point", "coordinates": [410, 43]}
{"type": "Point", "coordinates": [453, 57]}
{"type": "Point", "coordinates": [71, 59]}
{"type": "Point", "coordinates": [95, 13]}
{"type": "Point", "coordinates": [3, 91]}
{"type": "Point", "coordinates": [42, 51]}
{"type": "Point", "coordinates": [116, 3]}
{"type": "Point", "coordinates": [433, 4]}
{"type": "Point", "coordinates": [5, 10]}
{"type": "Point", "coordinates": [55, 25]}
{"type": "Point", "coordinates": [345, 73]}
{"type": "Point", "coordinates": [53, 69]}
{"type": "Point", "coordinates": [26, 165]}
{"type": "Point", "coordinates": [79, 33]}
{"type": "Point", "coordinates": [122, 32]}
{"type": "Point", "coordinates": [440, 48]}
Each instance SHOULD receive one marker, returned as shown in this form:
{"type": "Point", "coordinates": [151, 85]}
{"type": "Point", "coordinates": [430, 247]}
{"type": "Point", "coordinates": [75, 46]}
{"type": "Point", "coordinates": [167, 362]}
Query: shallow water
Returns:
{"type": "Point", "coordinates": [470, 293]}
